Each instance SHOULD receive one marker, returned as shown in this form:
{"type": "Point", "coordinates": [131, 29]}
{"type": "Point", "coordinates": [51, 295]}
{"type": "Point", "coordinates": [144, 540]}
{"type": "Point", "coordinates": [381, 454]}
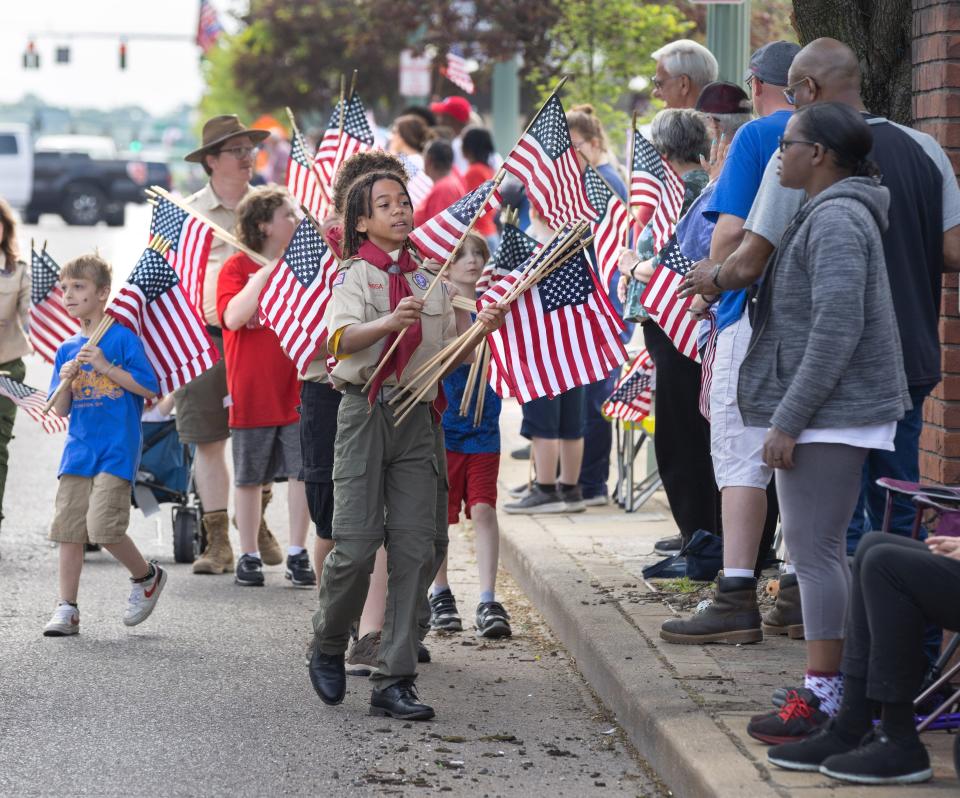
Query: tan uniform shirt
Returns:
{"type": "Point", "coordinates": [361, 293]}
{"type": "Point", "coordinates": [14, 306]}
{"type": "Point", "coordinates": [211, 206]}
{"type": "Point", "coordinates": [317, 370]}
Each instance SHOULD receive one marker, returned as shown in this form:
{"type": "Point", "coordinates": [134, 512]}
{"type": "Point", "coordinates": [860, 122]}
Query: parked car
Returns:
{"type": "Point", "coordinates": [16, 165]}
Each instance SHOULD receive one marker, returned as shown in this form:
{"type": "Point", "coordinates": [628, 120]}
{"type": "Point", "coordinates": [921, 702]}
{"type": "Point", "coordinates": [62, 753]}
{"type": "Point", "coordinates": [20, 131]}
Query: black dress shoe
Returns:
{"type": "Point", "coordinates": [670, 545]}
{"type": "Point", "coordinates": [328, 676]}
{"type": "Point", "coordinates": [399, 701]}
{"type": "Point", "coordinates": [423, 654]}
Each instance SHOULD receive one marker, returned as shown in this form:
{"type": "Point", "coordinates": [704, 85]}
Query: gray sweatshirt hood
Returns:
{"type": "Point", "coordinates": [866, 190]}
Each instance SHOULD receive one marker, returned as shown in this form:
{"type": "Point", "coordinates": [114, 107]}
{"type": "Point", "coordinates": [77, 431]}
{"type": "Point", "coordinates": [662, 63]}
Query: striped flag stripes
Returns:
{"type": "Point", "coordinates": [31, 401]}
{"type": "Point", "coordinates": [632, 397]}
{"type": "Point", "coordinates": [190, 239]}
{"type": "Point", "coordinates": [303, 181]}
{"type": "Point", "coordinates": [50, 324]}
{"type": "Point", "coordinates": [609, 226]}
{"type": "Point", "coordinates": [665, 307]}
{"type": "Point", "coordinates": [438, 236]}
{"type": "Point", "coordinates": [656, 190]}
{"type": "Point", "coordinates": [337, 145]}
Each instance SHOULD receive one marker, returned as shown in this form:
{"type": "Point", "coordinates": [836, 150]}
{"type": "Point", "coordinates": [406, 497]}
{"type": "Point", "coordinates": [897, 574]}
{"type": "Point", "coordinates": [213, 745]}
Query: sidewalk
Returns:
{"type": "Point", "coordinates": [684, 707]}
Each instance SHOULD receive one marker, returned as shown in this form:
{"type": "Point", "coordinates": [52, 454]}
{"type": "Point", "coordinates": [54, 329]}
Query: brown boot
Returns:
{"type": "Point", "coordinates": [217, 557]}
{"type": "Point", "coordinates": [733, 617]}
{"type": "Point", "coordinates": [786, 617]}
{"type": "Point", "coordinates": [267, 544]}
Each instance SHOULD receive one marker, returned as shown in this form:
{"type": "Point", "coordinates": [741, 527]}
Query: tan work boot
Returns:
{"type": "Point", "coordinates": [786, 617]}
{"type": "Point", "coordinates": [733, 617]}
{"type": "Point", "coordinates": [267, 544]}
{"type": "Point", "coordinates": [217, 557]}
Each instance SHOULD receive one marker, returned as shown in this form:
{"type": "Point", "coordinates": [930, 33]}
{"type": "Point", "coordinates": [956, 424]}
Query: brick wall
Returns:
{"type": "Point", "coordinates": [936, 110]}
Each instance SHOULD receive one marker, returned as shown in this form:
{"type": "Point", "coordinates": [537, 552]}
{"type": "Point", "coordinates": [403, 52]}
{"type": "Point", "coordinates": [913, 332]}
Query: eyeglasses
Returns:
{"type": "Point", "coordinates": [658, 84]}
{"type": "Point", "coordinates": [241, 152]}
{"type": "Point", "coordinates": [791, 94]}
{"type": "Point", "coordinates": [784, 143]}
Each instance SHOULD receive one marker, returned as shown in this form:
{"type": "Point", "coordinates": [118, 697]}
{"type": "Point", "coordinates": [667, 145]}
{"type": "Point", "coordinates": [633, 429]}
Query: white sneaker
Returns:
{"type": "Point", "coordinates": [600, 500]}
{"type": "Point", "coordinates": [143, 597]}
{"type": "Point", "coordinates": [65, 621]}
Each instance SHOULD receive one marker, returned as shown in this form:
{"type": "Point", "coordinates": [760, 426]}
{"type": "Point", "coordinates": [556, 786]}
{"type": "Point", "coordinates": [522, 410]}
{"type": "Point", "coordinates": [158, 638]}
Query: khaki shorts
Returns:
{"type": "Point", "coordinates": [201, 416]}
{"type": "Point", "coordinates": [91, 509]}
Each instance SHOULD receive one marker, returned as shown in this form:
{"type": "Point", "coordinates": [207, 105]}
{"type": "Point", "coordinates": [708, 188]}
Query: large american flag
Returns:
{"type": "Point", "coordinates": [419, 182]}
{"type": "Point", "coordinates": [208, 26]}
{"type": "Point", "coordinates": [656, 190]}
{"type": "Point", "coordinates": [303, 180]}
{"type": "Point", "coordinates": [152, 304]}
{"type": "Point", "coordinates": [295, 298]}
{"type": "Point", "coordinates": [515, 247]}
{"type": "Point", "coordinates": [609, 225]}
{"type": "Point", "coordinates": [559, 334]}
{"type": "Point", "coordinates": [545, 162]}
{"type": "Point", "coordinates": [190, 239]}
{"type": "Point", "coordinates": [456, 70]}
{"type": "Point", "coordinates": [665, 307]}
{"type": "Point", "coordinates": [438, 236]}
{"type": "Point", "coordinates": [632, 397]}
{"type": "Point", "coordinates": [32, 401]}
{"type": "Point", "coordinates": [335, 148]}
{"type": "Point", "coordinates": [50, 324]}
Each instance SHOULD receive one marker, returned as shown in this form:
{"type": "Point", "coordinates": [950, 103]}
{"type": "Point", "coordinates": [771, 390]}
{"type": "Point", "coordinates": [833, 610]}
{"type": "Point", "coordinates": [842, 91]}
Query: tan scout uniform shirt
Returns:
{"type": "Point", "coordinates": [317, 370]}
{"type": "Point", "coordinates": [14, 305]}
{"type": "Point", "coordinates": [210, 206]}
{"type": "Point", "coordinates": [361, 293]}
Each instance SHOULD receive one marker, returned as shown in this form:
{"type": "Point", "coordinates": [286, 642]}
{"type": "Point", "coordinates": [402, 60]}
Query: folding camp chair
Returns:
{"type": "Point", "coordinates": [631, 437]}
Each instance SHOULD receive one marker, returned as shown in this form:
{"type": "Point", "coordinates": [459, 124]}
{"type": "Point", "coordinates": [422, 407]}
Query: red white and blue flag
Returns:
{"type": "Point", "coordinates": [208, 26]}
{"type": "Point", "coordinates": [153, 304]}
{"type": "Point", "coordinates": [632, 398]}
{"type": "Point", "coordinates": [656, 191]}
{"type": "Point", "coordinates": [303, 180]}
{"type": "Point", "coordinates": [561, 333]}
{"type": "Point", "coordinates": [32, 402]}
{"type": "Point", "coordinates": [337, 145]}
{"type": "Point", "coordinates": [50, 324]}
{"type": "Point", "coordinates": [609, 225]}
{"type": "Point", "coordinates": [295, 298]}
{"type": "Point", "coordinates": [419, 182]}
{"type": "Point", "coordinates": [190, 239]}
{"type": "Point", "coordinates": [665, 307]}
{"type": "Point", "coordinates": [438, 236]}
{"type": "Point", "coordinates": [546, 163]}
{"type": "Point", "coordinates": [515, 247]}
{"type": "Point", "coordinates": [456, 70]}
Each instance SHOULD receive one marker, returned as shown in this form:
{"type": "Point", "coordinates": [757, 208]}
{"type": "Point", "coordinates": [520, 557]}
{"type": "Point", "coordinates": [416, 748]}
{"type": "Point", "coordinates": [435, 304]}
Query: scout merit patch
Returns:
{"type": "Point", "coordinates": [338, 280]}
{"type": "Point", "coordinates": [420, 280]}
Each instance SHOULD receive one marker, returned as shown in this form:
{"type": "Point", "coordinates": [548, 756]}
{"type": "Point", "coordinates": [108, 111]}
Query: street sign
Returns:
{"type": "Point", "coordinates": [415, 73]}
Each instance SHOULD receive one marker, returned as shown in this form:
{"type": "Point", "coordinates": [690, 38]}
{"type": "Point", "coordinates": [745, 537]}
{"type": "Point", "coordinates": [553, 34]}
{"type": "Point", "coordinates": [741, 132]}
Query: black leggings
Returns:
{"type": "Point", "coordinates": [898, 587]}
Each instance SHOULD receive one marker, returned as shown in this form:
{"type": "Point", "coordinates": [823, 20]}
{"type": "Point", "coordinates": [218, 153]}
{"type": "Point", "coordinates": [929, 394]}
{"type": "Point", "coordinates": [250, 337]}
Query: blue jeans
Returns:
{"type": "Point", "coordinates": [597, 439]}
{"type": "Point", "coordinates": [902, 463]}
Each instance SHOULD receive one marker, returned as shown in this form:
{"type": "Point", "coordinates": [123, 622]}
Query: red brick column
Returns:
{"type": "Point", "coordinates": [936, 110]}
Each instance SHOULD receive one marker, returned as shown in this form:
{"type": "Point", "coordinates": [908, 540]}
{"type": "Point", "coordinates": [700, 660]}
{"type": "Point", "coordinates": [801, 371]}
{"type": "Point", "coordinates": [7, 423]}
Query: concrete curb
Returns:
{"type": "Point", "coordinates": [690, 750]}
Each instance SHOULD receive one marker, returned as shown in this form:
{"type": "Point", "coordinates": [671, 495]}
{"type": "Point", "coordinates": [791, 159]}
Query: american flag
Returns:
{"type": "Point", "coordinates": [190, 239]}
{"type": "Point", "coordinates": [515, 247]}
{"type": "Point", "coordinates": [419, 182]}
{"type": "Point", "coordinates": [50, 324]}
{"type": "Point", "coordinates": [656, 190]}
{"type": "Point", "coordinates": [32, 402]}
{"type": "Point", "coordinates": [708, 353]}
{"type": "Point", "coordinates": [545, 162]}
{"type": "Point", "coordinates": [632, 397]}
{"type": "Point", "coordinates": [303, 181]}
{"type": "Point", "coordinates": [295, 297]}
{"type": "Point", "coordinates": [208, 26]}
{"type": "Point", "coordinates": [335, 148]}
{"type": "Point", "coordinates": [152, 304]}
{"type": "Point", "coordinates": [438, 236]}
{"type": "Point", "coordinates": [609, 226]}
{"type": "Point", "coordinates": [665, 307]}
{"type": "Point", "coordinates": [456, 70]}
{"type": "Point", "coordinates": [559, 334]}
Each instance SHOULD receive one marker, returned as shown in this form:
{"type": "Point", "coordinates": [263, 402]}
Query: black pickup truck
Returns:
{"type": "Point", "coordinates": [86, 190]}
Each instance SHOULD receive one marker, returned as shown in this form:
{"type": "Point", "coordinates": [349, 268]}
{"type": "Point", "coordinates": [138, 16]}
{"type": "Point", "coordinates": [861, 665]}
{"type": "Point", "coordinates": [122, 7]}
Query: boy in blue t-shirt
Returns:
{"type": "Point", "coordinates": [473, 463]}
{"type": "Point", "coordinates": [108, 384]}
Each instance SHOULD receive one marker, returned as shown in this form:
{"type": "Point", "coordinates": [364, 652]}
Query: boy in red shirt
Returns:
{"type": "Point", "coordinates": [264, 392]}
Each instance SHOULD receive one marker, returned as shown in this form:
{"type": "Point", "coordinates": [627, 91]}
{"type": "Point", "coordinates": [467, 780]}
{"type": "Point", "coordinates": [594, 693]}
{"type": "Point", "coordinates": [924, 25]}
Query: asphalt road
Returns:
{"type": "Point", "coordinates": [210, 695]}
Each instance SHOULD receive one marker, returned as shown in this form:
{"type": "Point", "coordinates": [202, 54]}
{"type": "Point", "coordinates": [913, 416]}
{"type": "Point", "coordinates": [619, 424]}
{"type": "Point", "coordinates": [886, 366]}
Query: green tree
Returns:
{"type": "Point", "coordinates": [222, 95]}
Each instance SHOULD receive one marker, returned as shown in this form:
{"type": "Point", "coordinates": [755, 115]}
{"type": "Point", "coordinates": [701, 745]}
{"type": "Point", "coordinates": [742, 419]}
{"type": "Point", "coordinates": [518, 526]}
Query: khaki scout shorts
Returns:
{"type": "Point", "coordinates": [91, 509]}
{"type": "Point", "coordinates": [201, 416]}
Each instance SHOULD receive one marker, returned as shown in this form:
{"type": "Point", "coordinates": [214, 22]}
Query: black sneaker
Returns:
{"type": "Point", "coordinates": [443, 613]}
{"type": "Point", "coordinates": [299, 571]}
{"type": "Point", "coordinates": [523, 453]}
{"type": "Point", "coordinates": [881, 760]}
{"type": "Point", "coordinates": [810, 752]}
{"type": "Point", "coordinates": [799, 717]}
{"type": "Point", "coordinates": [249, 571]}
{"type": "Point", "coordinates": [670, 545]}
{"type": "Point", "coordinates": [492, 620]}
{"type": "Point", "coordinates": [538, 500]}
{"type": "Point", "coordinates": [573, 497]}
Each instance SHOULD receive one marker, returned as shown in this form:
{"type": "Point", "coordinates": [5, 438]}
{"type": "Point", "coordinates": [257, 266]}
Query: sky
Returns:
{"type": "Point", "coordinates": [160, 75]}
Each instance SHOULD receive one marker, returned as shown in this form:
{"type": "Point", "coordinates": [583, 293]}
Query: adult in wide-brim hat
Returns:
{"type": "Point", "coordinates": [219, 129]}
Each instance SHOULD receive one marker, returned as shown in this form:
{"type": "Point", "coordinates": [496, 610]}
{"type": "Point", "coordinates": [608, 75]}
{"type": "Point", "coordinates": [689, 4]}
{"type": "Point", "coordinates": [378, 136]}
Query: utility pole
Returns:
{"type": "Point", "coordinates": [506, 104]}
{"type": "Point", "coordinates": [728, 36]}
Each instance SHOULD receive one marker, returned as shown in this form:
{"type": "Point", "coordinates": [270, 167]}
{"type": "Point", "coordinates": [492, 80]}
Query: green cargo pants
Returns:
{"type": "Point", "coordinates": [384, 493]}
{"type": "Point", "coordinates": [441, 541]}
{"type": "Point", "coordinates": [8, 413]}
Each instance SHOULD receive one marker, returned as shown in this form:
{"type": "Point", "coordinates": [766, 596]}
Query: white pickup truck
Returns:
{"type": "Point", "coordinates": [16, 165]}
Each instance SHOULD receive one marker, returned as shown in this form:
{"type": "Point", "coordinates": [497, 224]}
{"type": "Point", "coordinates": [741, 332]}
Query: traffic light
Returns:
{"type": "Point", "coordinates": [63, 55]}
{"type": "Point", "coordinates": [31, 58]}
{"type": "Point", "coordinates": [123, 55]}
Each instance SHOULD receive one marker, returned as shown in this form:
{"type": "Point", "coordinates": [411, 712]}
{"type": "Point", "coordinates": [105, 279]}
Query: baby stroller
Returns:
{"type": "Point", "coordinates": [166, 476]}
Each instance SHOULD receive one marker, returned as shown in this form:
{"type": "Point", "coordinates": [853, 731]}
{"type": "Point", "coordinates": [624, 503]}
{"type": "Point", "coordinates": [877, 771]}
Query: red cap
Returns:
{"type": "Point", "coordinates": [456, 107]}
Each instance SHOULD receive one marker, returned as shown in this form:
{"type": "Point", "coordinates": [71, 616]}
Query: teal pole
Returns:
{"type": "Point", "coordinates": [728, 38]}
{"type": "Point", "coordinates": [506, 104]}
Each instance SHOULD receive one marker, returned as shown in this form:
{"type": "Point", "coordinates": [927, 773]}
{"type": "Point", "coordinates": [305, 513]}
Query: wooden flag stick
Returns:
{"type": "Point", "coordinates": [633, 143]}
{"type": "Point", "coordinates": [353, 85]}
{"type": "Point", "coordinates": [341, 105]}
{"type": "Point", "coordinates": [482, 391]}
{"type": "Point", "coordinates": [218, 231]}
{"type": "Point", "coordinates": [468, 387]}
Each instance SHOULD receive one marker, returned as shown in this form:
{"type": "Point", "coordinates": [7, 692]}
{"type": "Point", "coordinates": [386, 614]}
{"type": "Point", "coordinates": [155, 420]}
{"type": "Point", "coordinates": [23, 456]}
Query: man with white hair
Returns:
{"type": "Point", "coordinates": [683, 69]}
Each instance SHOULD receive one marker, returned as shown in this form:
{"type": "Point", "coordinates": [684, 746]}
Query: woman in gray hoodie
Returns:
{"type": "Point", "coordinates": [824, 371]}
